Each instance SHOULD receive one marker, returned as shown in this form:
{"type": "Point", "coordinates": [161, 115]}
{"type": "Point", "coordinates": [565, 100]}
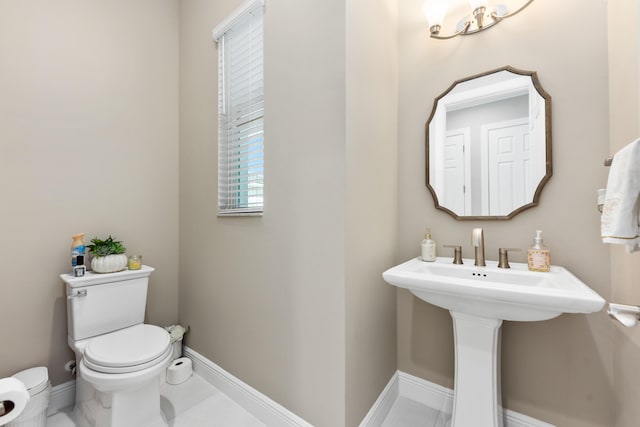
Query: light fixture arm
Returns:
{"type": "Point", "coordinates": [435, 30]}
{"type": "Point", "coordinates": [479, 21]}
{"type": "Point", "coordinates": [495, 16]}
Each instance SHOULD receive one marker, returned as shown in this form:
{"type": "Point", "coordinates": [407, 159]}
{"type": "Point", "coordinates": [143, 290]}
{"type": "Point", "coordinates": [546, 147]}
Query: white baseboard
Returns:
{"type": "Point", "coordinates": [62, 396]}
{"type": "Point", "coordinates": [429, 394]}
{"type": "Point", "coordinates": [275, 415]}
{"type": "Point", "coordinates": [266, 410]}
{"type": "Point", "coordinates": [383, 404]}
{"type": "Point", "coordinates": [433, 395]}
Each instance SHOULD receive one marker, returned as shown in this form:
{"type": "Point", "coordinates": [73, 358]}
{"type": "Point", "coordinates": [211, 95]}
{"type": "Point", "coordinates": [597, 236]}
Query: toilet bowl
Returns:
{"type": "Point", "coordinates": [136, 354]}
{"type": "Point", "coordinates": [120, 360]}
{"type": "Point", "coordinates": [120, 376]}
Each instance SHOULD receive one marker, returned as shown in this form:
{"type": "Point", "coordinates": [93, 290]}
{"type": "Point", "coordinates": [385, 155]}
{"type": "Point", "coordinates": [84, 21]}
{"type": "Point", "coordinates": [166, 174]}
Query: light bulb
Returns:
{"type": "Point", "coordinates": [434, 10]}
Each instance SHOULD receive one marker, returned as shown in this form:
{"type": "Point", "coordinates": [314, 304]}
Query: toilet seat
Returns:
{"type": "Point", "coordinates": [127, 350]}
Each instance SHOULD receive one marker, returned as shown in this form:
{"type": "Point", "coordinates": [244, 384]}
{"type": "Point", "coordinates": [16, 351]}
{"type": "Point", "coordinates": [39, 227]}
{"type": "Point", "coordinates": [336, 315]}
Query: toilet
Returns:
{"type": "Point", "coordinates": [120, 360]}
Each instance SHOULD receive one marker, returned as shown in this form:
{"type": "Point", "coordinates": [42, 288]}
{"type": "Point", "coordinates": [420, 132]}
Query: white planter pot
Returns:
{"type": "Point", "coordinates": [109, 263]}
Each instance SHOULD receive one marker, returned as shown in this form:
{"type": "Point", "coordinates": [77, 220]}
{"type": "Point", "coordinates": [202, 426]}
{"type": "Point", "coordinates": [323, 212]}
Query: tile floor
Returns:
{"type": "Point", "coordinates": [409, 413]}
{"type": "Point", "coordinates": [196, 403]}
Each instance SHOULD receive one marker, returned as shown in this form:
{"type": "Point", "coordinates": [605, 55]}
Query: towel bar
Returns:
{"type": "Point", "coordinates": [608, 161]}
{"type": "Point", "coordinates": [628, 315]}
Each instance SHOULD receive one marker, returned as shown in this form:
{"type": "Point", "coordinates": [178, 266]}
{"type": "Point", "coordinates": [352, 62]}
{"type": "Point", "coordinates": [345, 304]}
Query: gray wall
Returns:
{"type": "Point", "coordinates": [265, 296]}
{"type": "Point", "coordinates": [293, 302]}
{"type": "Point", "coordinates": [559, 370]}
{"type": "Point", "coordinates": [89, 119]}
{"type": "Point", "coordinates": [90, 106]}
{"type": "Point", "coordinates": [88, 143]}
{"type": "Point", "coordinates": [624, 116]}
{"type": "Point", "coordinates": [371, 201]}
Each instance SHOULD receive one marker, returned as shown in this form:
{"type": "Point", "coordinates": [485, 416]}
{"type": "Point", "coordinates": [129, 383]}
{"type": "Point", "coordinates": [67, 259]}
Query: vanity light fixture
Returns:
{"type": "Point", "coordinates": [482, 17]}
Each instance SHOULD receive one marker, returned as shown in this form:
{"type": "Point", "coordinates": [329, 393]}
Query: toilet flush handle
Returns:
{"type": "Point", "coordinates": [80, 293]}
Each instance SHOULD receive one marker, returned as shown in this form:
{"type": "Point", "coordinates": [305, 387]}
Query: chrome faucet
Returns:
{"type": "Point", "coordinates": [477, 241]}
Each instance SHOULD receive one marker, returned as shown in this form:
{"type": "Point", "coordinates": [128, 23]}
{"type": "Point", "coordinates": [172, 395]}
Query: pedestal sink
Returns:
{"type": "Point", "coordinates": [479, 299]}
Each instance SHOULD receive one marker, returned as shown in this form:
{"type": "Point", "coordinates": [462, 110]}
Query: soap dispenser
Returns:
{"type": "Point", "coordinates": [428, 247]}
{"type": "Point", "coordinates": [538, 255]}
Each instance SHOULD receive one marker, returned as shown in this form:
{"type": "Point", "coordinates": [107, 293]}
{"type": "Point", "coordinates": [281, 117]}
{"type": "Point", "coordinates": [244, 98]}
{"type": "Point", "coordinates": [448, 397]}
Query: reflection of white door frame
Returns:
{"type": "Point", "coordinates": [537, 139]}
{"type": "Point", "coordinates": [436, 143]}
{"type": "Point", "coordinates": [486, 166]}
{"type": "Point", "coordinates": [461, 162]}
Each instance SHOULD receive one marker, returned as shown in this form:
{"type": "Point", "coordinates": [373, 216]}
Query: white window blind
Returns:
{"type": "Point", "coordinates": [241, 111]}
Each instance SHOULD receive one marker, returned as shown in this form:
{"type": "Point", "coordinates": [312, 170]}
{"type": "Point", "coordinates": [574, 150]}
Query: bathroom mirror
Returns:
{"type": "Point", "coordinates": [488, 145]}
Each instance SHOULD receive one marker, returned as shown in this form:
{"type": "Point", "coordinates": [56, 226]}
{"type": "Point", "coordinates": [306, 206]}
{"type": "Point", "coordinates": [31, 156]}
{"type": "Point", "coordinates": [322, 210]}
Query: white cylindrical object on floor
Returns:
{"type": "Point", "coordinates": [179, 371]}
{"type": "Point", "coordinates": [36, 380]}
{"type": "Point", "coordinates": [14, 398]}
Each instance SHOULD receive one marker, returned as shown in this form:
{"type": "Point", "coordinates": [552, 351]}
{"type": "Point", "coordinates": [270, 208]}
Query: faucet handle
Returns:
{"type": "Point", "coordinates": [457, 253]}
{"type": "Point", "coordinates": [503, 256]}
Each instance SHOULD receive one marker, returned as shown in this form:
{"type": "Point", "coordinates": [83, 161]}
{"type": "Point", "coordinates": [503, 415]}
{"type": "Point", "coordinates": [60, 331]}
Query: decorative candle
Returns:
{"type": "Point", "coordinates": [135, 262]}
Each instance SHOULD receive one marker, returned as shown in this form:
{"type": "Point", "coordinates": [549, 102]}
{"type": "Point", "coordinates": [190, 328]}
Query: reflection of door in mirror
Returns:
{"type": "Point", "coordinates": [456, 162]}
{"type": "Point", "coordinates": [507, 166]}
{"type": "Point", "coordinates": [488, 145]}
{"type": "Point", "coordinates": [482, 169]}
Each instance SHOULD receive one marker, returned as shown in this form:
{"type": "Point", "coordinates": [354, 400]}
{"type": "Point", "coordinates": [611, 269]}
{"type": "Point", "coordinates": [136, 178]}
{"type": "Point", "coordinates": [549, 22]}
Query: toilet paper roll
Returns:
{"type": "Point", "coordinates": [13, 397]}
{"type": "Point", "coordinates": [179, 371]}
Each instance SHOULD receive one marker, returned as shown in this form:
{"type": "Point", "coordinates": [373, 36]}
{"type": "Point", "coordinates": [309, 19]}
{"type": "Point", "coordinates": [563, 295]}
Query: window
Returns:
{"type": "Point", "coordinates": [241, 111]}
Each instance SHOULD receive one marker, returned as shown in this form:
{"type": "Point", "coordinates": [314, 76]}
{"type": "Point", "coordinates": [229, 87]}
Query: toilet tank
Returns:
{"type": "Point", "coordinates": [101, 303]}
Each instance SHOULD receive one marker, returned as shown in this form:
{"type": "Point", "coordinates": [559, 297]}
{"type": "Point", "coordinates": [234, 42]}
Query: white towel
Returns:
{"type": "Point", "coordinates": [620, 221]}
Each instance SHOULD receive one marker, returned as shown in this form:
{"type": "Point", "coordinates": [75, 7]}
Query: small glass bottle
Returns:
{"type": "Point", "coordinates": [428, 247]}
{"type": "Point", "coordinates": [538, 255]}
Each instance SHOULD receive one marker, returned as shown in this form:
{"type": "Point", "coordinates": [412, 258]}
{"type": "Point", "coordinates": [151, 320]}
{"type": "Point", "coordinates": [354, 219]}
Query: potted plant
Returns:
{"type": "Point", "coordinates": [108, 255]}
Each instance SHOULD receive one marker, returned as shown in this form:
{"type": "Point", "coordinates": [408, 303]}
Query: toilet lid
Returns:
{"type": "Point", "coordinates": [127, 350]}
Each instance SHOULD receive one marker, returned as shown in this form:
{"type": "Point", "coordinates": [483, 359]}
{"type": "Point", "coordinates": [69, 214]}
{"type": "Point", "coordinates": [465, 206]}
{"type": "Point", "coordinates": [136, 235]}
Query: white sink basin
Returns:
{"type": "Point", "coordinates": [498, 293]}
{"type": "Point", "coordinates": [479, 299]}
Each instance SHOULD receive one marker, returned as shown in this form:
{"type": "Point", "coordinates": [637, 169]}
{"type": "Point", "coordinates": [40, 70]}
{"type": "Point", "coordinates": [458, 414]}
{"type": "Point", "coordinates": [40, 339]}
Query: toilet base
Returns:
{"type": "Point", "coordinates": [136, 407]}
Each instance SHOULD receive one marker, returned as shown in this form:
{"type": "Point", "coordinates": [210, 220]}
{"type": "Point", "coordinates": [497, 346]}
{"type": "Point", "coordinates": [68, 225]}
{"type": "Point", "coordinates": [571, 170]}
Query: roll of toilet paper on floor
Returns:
{"type": "Point", "coordinates": [179, 371]}
{"type": "Point", "coordinates": [13, 399]}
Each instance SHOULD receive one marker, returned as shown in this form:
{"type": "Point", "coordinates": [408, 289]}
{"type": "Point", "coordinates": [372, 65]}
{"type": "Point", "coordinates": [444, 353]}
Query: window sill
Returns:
{"type": "Point", "coordinates": [235, 214]}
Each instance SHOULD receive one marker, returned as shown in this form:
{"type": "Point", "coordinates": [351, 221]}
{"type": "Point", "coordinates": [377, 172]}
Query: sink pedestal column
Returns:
{"type": "Point", "coordinates": [477, 400]}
